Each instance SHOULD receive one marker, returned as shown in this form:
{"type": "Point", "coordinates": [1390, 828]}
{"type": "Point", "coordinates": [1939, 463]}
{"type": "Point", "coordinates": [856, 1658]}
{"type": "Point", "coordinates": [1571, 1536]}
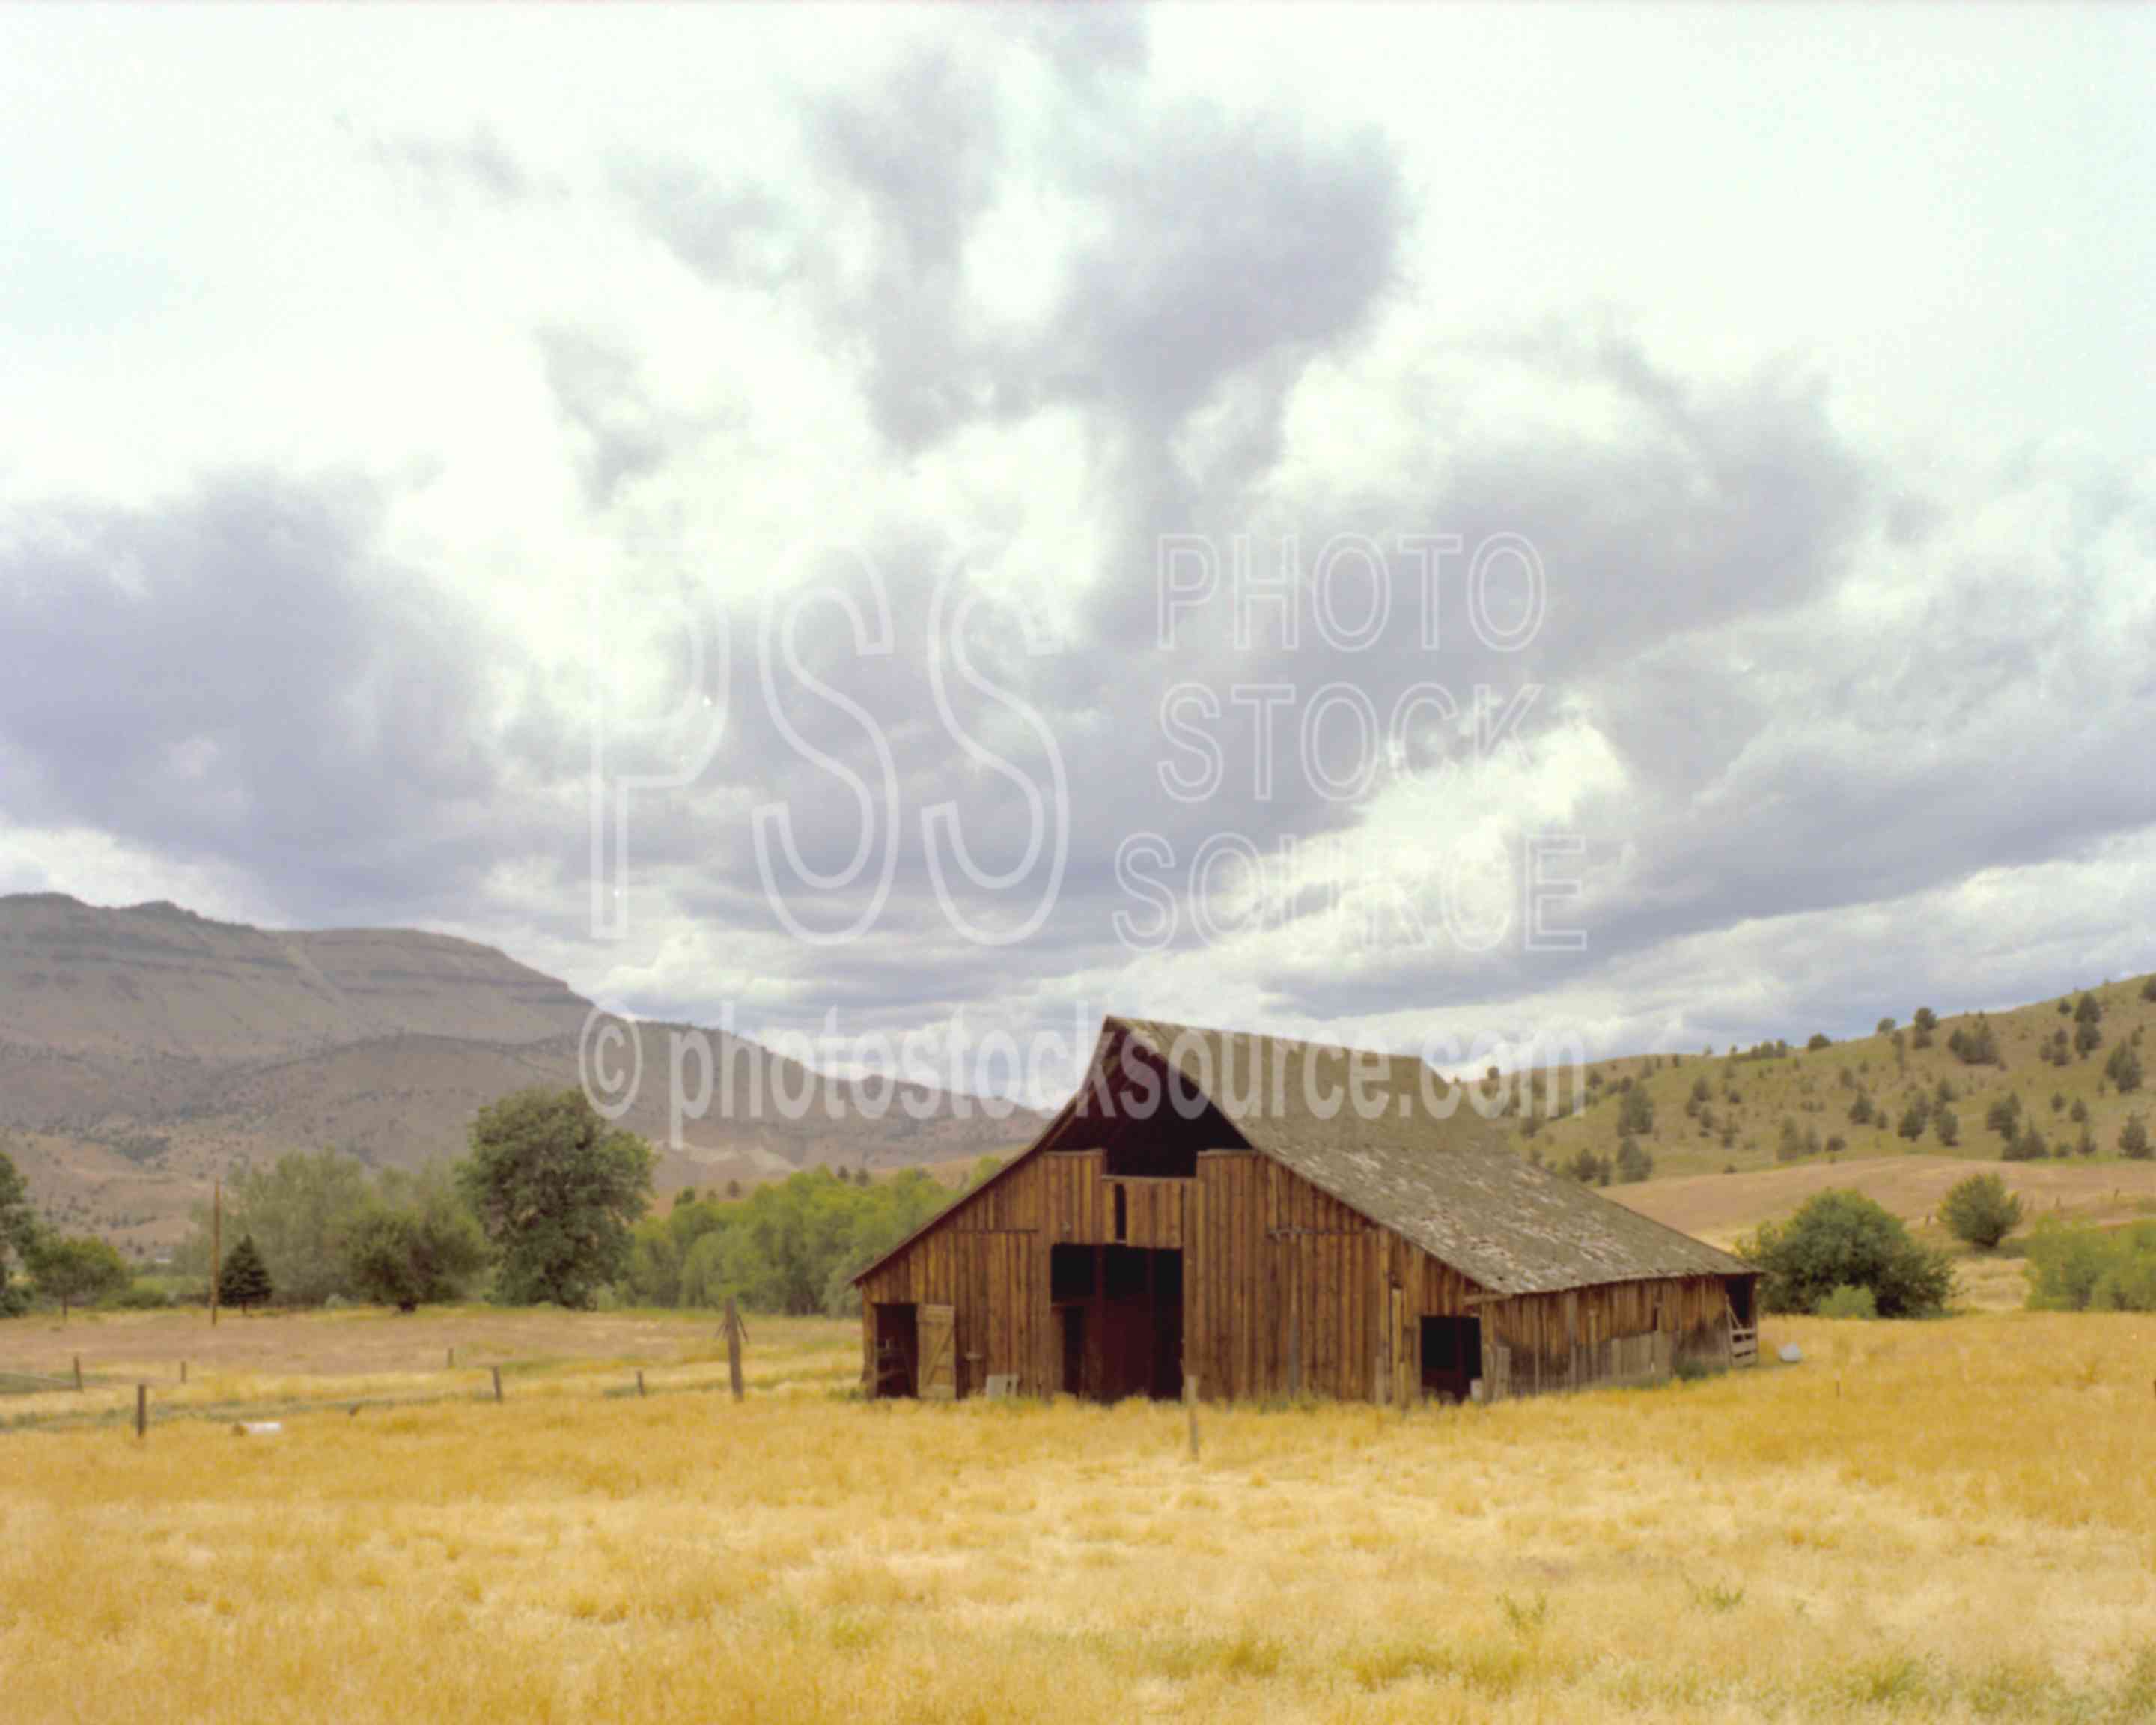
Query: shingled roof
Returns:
{"type": "Point", "coordinates": [1446, 1181]}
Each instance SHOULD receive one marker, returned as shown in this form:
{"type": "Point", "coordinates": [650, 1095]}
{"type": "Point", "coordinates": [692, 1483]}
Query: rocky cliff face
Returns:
{"type": "Point", "coordinates": [146, 1050]}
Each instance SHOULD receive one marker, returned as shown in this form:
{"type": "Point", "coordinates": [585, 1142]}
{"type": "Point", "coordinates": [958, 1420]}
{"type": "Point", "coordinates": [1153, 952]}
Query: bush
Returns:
{"type": "Point", "coordinates": [138, 1296]}
{"type": "Point", "coordinates": [1843, 1237]}
{"type": "Point", "coordinates": [2123, 1069]}
{"type": "Point", "coordinates": [1847, 1302]}
{"type": "Point", "coordinates": [1947, 1125]}
{"type": "Point", "coordinates": [1980, 1211]}
{"type": "Point", "coordinates": [2026, 1145]}
{"type": "Point", "coordinates": [2148, 987]}
{"type": "Point", "coordinates": [1635, 1113]}
{"type": "Point", "coordinates": [1820, 1040]}
{"type": "Point", "coordinates": [2083, 1269]}
{"type": "Point", "coordinates": [2004, 1116]}
{"type": "Point", "coordinates": [2133, 1139]}
{"type": "Point", "coordinates": [1634, 1164]}
{"type": "Point", "coordinates": [1885, 1027]}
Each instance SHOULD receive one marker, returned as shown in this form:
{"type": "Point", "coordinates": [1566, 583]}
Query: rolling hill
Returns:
{"type": "Point", "coordinates": [144, 1051]}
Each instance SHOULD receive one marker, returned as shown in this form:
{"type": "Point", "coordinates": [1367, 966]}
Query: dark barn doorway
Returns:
{"type": "Point", "coordinates": [897, 1351]}
{"type": "Point", "coordinates": [1451, 1355]}
{"type": "Point", "coordinates": [1119, 1317]}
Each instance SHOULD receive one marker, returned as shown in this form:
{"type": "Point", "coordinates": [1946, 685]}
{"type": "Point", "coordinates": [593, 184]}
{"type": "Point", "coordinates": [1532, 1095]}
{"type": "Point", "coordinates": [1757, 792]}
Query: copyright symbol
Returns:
{"type": "Point", "coordinates": [600, 1060]}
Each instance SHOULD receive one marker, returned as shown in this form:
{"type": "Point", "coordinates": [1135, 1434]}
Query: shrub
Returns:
{"type": "Point", "coordinates": [2004, 1116]}
{"type": "Point", "coordinates": [1847, 1302]}
{"type": "Point", "coordinates": [1885, 1027]}
{"type": "Point", "coordinates": [2087, 1039]}
{"type": "Point", "coordinates": [2133, 1139]}
{"type": "Point", "coordinates": [1948, 1127]}
{"type": "Point", "coordinates": [2026, 1145]}
{"type": "Point", "coordinates": [1860, 1111]}
{"type": "Point", "coordinates": [1635, 1113]}
{"type": "Point", "coordinates": [1634, 1164]}
{"type": "Point", "coordinates": [1820, 1040]}
{"type": "Point", "coordinates": [1843, 1237]}
{"type": "Point", "coordinates": [2148, 987]}
{"type": "Point", "coordinates": [2088, 1010]}
{"type": "Point", "coordinates": [1980, 1211]}
{"type": "Point", "coordinates": [2123, 1068]}
{"type": "Point", "coordinates": [1587, 1168]}
{"type": "Point", "coordinates": [2082, 1268]}
{"type": "Point", "coordinates": [138, 1296]}
{"type": "Point", "coordinates": [1975, 1044]}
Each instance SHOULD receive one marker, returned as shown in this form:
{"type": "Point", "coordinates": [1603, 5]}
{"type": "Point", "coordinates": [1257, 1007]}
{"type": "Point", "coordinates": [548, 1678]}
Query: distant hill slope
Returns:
{"type": "Point", "coordinates": [145, 1050]}
{"type": "Point", "coordinates": [1736, 1126]}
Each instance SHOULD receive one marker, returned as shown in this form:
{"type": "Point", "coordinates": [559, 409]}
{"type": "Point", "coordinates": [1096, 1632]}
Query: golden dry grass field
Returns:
{"type": "Point", "coordinates": [1945, 1521]}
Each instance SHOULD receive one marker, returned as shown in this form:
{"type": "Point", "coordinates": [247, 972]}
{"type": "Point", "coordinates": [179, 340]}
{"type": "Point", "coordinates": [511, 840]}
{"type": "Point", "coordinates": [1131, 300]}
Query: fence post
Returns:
{"type": "Point", "coordinates": [78, 1374]}
{"type": "Point", "coordinates": [639, 1380]}
{"type": "Point", "coordinates": [142, 1409]}
{"type": "Point", "coordinates": [1190, 1407]}
{"type": "Point", "coordinates": [733, 1348]}
{"type": "Point", "coordinates": [184, 1371]}
{"type": "Point", "coordinates": [451, 1364]}
{"type": "Point", "coordinates": [497, 1382]}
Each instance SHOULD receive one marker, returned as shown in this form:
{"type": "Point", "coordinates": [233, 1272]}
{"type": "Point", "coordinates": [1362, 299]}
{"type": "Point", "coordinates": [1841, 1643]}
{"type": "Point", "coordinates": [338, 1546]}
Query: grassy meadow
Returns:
{"type": "Point", "coordinates": [1944, 1521]}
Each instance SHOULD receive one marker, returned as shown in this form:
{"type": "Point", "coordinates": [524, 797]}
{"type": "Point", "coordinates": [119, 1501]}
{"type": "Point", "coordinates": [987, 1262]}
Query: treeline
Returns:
{"type": "Point", "coordinates": [791, 1247]}
{"type": "Point", "coordinates": [552, 1205]}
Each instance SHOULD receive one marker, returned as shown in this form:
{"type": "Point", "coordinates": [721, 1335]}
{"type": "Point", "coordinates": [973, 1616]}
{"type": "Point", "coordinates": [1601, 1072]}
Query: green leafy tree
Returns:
{"type": "Point", "coordinates": [301, 1210]}
{"type": "Point", "coordinates": [1820, 1040]}
{"type": "Point", "coordinates": [19, 1232]}
{"type": "Point", "coordinates": [1841, 1239]}
{"type": "Point", "coordinates": [1921, 1026]}
{"type": "Point", "coordinates": [76, 1269]}
{"type": "Point", "coordinates": [1980, 1211]}
{"type": "Point", "coordinates": [418, 1244]}
{"type": "Point", "coordinates": [245, 1281]}
{"type": "Point", "coordinates": [557, 1190]}
{"type": "Point", "coordinates": [1885, 1027]}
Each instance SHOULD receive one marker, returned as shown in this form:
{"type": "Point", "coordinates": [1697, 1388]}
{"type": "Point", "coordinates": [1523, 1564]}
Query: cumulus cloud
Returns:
{"type": "Point", "coordinates": [890, 410]}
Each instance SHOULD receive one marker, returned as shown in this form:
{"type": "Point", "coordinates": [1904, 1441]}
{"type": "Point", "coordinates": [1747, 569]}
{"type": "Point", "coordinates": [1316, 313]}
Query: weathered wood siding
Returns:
{"type": "Point", "coordinates": [1286, 1290]}
{"type": "Point", "coordinates": [1578, 1337]}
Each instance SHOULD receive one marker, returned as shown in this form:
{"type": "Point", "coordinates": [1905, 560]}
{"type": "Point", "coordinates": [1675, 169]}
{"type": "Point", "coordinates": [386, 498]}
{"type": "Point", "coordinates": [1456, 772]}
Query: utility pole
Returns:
{"type": "Point", "coordinates": [216, 1244]}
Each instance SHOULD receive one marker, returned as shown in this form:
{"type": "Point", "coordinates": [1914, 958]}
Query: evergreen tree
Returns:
{"type": "Point", "coordinates": [245, 1280]}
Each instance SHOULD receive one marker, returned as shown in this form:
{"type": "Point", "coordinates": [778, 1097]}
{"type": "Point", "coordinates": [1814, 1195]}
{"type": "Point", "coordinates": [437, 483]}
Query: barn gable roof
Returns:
{"type": "Point", "coordinates": [1444, 1179]}
{"type": "Point", "coordinates": [1375, 1131]}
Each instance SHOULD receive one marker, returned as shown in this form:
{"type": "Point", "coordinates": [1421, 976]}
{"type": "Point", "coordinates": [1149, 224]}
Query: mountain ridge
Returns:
{"type": "Point", "coordinates": [147, 1050]}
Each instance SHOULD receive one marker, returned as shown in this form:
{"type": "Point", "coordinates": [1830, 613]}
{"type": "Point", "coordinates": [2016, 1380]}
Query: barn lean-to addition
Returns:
{"type": "Point", "coordinates": [1277, 1219]}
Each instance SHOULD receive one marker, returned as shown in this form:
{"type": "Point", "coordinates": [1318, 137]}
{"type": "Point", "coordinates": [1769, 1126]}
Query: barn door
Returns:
{"type": "Point", "coordinates": [939, 1357]}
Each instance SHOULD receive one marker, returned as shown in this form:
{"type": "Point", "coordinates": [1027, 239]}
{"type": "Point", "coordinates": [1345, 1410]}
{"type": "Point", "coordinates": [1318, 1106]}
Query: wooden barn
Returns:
{"type": "Point", "coordinates": [1277, 1219]}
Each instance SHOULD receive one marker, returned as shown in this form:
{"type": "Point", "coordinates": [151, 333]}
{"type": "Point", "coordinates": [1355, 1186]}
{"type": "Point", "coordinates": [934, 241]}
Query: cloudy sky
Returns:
{"type": "Point", "coordinates": [1632, 526]}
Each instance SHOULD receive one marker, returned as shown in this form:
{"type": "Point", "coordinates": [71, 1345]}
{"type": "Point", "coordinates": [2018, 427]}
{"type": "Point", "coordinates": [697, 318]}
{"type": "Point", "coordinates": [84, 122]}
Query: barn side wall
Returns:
{"type": "Point", "coordinates": [1626, 1332]}
{"type": "Point", "coordinates": [1286, 1290]}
